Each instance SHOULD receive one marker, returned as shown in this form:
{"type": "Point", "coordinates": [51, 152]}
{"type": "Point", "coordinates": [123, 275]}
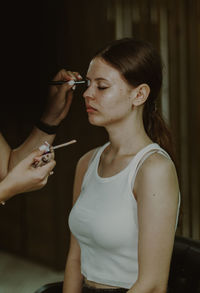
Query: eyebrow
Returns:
{"type": "Point", "coordinates": [98, 78]}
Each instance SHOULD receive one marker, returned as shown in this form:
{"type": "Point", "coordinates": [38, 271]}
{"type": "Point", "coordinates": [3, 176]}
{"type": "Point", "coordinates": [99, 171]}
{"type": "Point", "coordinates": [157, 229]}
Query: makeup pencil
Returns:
{"type": "Point", "coordinates": [63, 144]}
{"type": "Point", "coordinates": [60, 82]}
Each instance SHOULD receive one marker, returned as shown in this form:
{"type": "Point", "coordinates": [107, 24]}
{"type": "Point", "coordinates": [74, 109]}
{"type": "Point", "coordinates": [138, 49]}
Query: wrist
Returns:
{"type": "Point", "coordinates": [50, 120]}
{"type": "Point", "coordinates": [5, 191]}
{"type": "Point", "coordinates": [50, 129]}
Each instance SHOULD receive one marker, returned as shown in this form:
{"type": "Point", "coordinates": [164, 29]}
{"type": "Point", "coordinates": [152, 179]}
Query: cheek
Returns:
{"type": "Point", "coordinates": [119, 100]}
{"type": "Point", "coordinates": [111, 98]}
{"type": "Point", "coordinates": [115, 100]}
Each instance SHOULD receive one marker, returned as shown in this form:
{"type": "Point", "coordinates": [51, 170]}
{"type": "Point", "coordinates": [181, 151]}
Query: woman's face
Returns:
{"type": "Point", "coordinates": [108, 96]}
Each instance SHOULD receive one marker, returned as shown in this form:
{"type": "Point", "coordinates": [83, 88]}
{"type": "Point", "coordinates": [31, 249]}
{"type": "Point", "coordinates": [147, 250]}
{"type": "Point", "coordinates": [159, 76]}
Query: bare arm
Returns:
{"type": "Point", "coordinates": [5, 152]}
{"type": "Point", "coordinates": [59, 101]}
{"type": "Point", "coordinates": [156, 188]}
{"type": "Point", "coordinates": [73, 278]}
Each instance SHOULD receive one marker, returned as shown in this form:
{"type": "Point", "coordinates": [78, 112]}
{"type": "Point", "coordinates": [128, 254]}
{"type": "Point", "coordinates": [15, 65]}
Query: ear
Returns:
{"type": "Point", "coordinates": [141, 94]}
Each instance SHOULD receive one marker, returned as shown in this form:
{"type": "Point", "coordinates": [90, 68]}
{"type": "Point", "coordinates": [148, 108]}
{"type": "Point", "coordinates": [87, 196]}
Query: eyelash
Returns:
{"type": "Point", "coordinates": [102, 88]}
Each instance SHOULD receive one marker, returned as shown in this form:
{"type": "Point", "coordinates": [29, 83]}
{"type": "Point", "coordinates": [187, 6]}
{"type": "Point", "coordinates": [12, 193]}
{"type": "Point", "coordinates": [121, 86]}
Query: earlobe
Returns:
{"type": "Point", "coordinates": [141, 94]}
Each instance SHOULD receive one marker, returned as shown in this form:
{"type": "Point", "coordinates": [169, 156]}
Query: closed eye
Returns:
{"type": "Point", "coordinates": [102, 87]}
{"type": "Point", "coordinates": [88, 83]}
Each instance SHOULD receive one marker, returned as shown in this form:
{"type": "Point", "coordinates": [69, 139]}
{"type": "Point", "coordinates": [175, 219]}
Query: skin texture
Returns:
{"type": "Point", "coordinates": [112, 103]}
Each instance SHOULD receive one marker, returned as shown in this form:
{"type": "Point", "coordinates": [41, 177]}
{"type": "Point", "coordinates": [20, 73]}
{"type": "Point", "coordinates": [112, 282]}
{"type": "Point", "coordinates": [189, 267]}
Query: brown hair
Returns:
{"type": "Point", "coordinates": [139, 62]}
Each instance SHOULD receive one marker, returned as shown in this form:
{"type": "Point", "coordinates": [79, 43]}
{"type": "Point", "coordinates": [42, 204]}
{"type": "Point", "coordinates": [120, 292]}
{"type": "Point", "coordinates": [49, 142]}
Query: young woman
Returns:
{"type": "Point", "coordinates": [126, 193]}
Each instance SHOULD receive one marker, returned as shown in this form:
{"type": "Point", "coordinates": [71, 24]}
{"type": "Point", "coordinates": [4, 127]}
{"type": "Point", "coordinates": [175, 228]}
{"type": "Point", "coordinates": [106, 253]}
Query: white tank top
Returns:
{"type": "Point", "coordinates": [104, 221]}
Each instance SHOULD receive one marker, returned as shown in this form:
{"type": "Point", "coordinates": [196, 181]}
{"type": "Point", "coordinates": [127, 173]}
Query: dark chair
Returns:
{"type": "Point", "coordinates": [184, 276]}
{"type": "Point", "coordinates": [51, 288]}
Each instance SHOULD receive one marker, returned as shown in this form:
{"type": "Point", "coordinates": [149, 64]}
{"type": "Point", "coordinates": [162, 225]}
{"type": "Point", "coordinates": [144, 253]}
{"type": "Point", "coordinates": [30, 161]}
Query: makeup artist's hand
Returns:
{"type": "Point", "coordinates": [25, 177]}
{"type": "Point", "coordinates": [49, 155]}
{"type": "Point", "coordinates": [60, 98]}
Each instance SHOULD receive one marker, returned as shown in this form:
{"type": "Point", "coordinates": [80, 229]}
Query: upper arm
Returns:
{"type": "Point", "coordinates": [157, 192]}
{"type": "Point", "coordinates": [4, 157]}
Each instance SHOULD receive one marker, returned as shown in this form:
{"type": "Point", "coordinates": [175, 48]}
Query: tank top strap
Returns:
{"type": "Point", "coordinates": [140, 157]}
{"type": "Point", "coordinates": [94, 161]}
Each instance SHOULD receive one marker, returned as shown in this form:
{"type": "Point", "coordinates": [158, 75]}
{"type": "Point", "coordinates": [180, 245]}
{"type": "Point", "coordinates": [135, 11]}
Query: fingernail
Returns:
{"type": "Point", "coordinates": [45, 159]}
{"type": "Point", "coordinates": [35, 163]}
{"type": "Point", "coordinates": [79, 76]}
{"type": "Point", "coordinates": [74, 87]}
{"type": "Point", "coordinates": [71, 82]}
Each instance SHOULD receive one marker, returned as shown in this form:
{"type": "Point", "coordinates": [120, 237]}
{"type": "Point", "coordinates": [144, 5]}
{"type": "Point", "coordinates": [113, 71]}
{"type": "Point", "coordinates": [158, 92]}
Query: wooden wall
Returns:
{"type": "Point", "coordinates": [184, 52]}
{"type": "Point", "coordinates": [174, 28]}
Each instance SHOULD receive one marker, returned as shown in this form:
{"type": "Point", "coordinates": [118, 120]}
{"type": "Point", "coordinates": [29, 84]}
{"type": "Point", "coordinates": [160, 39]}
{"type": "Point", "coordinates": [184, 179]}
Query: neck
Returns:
{"type": "Point", "coordinates": [128, 136]}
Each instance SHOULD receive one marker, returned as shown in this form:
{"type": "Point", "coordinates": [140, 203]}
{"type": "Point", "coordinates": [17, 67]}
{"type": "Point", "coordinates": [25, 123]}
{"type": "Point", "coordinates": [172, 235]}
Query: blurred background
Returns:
{"type": "Point", "coordinates": [42, 37]}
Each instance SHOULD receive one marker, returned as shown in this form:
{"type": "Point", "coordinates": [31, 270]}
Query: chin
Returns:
{"type": "Point", "coordinates": [95, 122]}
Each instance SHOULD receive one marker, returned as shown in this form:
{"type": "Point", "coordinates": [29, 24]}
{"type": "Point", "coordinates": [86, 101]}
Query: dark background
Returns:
{"type": "Point", "coordinates": [42, 38]}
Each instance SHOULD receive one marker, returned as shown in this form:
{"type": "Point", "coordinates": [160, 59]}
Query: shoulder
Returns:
{"type": "Point", "coordinates": [84, 161]}
{"type": "Point", "coordinates": [157, 163]}
{"type": "Point", "coordinates": [157, 173]}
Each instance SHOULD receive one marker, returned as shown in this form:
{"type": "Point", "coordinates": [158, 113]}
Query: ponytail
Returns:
{"type": "Point", "coordinates": [156, 128]}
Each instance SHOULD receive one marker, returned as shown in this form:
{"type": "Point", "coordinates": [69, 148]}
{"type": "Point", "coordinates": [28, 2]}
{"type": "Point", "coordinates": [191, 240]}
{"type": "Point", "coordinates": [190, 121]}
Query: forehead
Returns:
{"type": "Point", "coordinates": [99, 68]}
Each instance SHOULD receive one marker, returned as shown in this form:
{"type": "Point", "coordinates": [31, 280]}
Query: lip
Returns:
{"type": "Point", "coordinates": [90, 109]}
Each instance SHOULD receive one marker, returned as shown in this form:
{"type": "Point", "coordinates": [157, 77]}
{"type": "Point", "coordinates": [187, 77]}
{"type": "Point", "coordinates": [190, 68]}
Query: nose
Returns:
{"type": "Point", "coordinates": [89, 93]}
